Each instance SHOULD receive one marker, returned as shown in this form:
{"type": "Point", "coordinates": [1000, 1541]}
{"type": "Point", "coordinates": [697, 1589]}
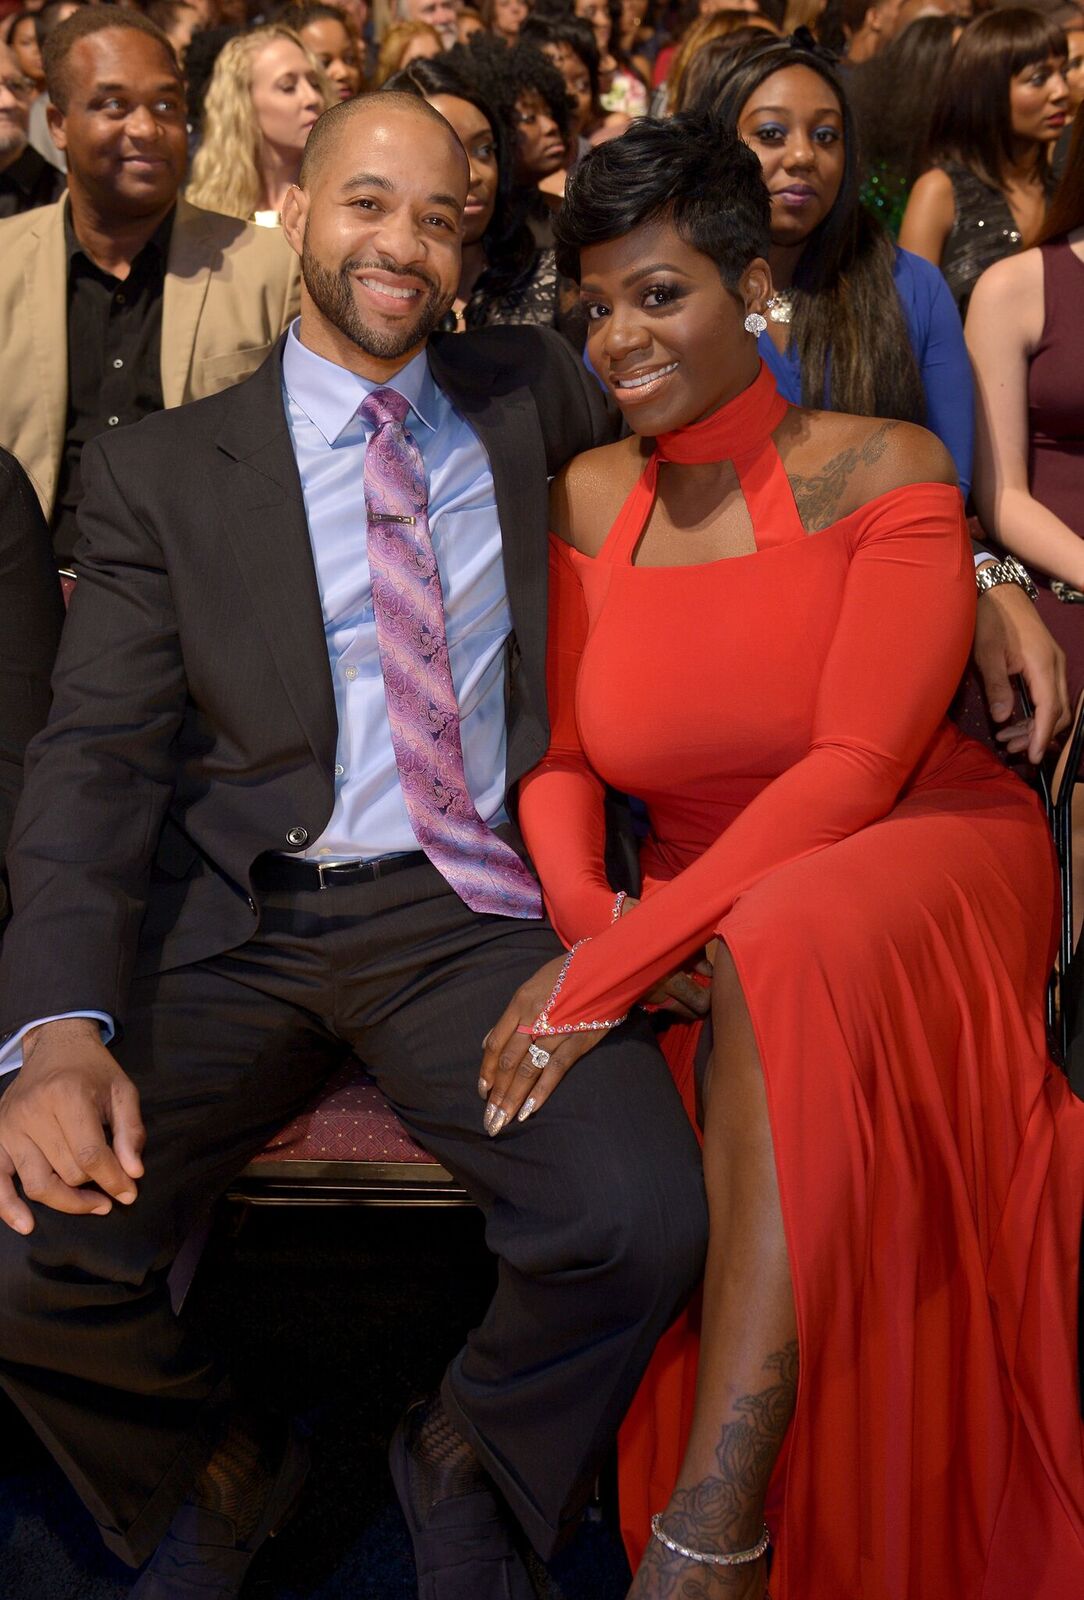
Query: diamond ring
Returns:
{"type": "Point", "coordinates": [540, 1058]}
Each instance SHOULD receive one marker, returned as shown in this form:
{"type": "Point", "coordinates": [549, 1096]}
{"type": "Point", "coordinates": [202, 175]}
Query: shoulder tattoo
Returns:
{"type": "Point", "coordinates": [818, 497]}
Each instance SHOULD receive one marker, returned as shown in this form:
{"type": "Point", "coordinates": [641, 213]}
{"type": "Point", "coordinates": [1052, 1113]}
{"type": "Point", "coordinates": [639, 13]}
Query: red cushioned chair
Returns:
{"type": "Point", "coordinates": [347, 1148]}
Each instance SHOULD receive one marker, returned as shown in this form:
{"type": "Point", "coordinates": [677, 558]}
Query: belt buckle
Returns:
{"type": "Point", "coordinates": [321, 868]}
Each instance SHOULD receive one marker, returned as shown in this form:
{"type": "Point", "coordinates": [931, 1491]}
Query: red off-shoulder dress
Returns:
{"type": "Point", "coordinates": [887, 893]}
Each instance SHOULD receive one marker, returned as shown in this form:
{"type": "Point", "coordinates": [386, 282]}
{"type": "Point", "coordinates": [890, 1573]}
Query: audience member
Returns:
{"type": "Point", "coordinates": [635, 36]}
{"type": "Point", "coordinates": [265, 94]}
{"type": "Point", "coordinates": [220, 657]}
{"type": "Point", "coordinates": [716, 25]}
{"type": "Point", "coordinates": [203, 52]}
{"type": "Point", "coordinates": [505, 277]}
{"type": "Point", "coordinates": [1026, 338]}
{"type": "Point", "coordinates": [570, 44]}
{"type": "Point", "coordinates": [49, 17]}
{"type": "Point", "coordinates": [623, 94]}
{"type": "Point", "coordinates": [710, 61]}
{"type": "Point", "coordinates": [893, 95]}
{"type": "Point", "coordinates": [178, 20]}
{"type": "Point", "coordinates": [855, 324]}
{"type": "Point", "coordinates": [504, 18]}
{"type": "Point", "coordinates": [140, 300]}
{"type": "Point", "coordinates": [26, 179]}
{"type": "Point", "coordinates": [468, 22]}
{"type": "Point", "coordinates": [403, 43]}
{"type": "Point", "coordinates": [869, 28]}
{"type": "Point", "coordinates": [999, 113]}
{"type": "Point", "coordinates": [329, 37]}
{"type": "Point", "coordinates": [438, 14]}
{"type": "Point", "coordinates": [23, 40]}
{"type": "Point", "coordinates": [31, 612]}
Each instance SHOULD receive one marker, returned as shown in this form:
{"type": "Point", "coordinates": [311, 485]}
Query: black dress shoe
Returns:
{"type": "Point", "coordinates": [464, 1548]}
{"type": "Point", "coordinates": [201, 1557]}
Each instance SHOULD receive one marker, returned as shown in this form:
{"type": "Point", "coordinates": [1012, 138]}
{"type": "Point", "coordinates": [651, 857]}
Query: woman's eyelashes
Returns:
{"type": "Point", "coordinates": [656, 297]}
{"type": "Point", "coordinates": [773, 134]}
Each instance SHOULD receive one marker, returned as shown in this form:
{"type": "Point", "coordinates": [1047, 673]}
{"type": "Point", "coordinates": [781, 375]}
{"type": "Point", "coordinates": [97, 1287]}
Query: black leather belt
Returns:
{"type": "Point", "coordinates": [288, 872]}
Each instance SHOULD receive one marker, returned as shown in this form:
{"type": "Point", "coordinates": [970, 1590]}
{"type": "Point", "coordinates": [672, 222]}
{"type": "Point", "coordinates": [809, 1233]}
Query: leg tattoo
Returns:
{"type": "Point", "coordinates": [725, 1512]}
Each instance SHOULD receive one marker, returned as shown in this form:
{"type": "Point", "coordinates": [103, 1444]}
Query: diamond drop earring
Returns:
{"type": "Point", "coordinates": [755, 323]}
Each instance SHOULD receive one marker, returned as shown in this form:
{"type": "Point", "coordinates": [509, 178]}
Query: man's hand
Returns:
{"type": "Point", "coordinates": [1011, 638]}
{"type": "Point", "coordinates": [57, 1118]}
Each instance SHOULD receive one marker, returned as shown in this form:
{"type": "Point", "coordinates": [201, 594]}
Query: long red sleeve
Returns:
{"type": "Point", "coordinates": [899, 647]}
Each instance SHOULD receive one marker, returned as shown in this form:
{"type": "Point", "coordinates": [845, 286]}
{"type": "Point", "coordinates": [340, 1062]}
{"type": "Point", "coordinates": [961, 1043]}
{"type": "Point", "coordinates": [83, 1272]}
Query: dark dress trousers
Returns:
{"type": "Point", "coordinates": [193, 729]}
{"type": "Point", "coordinates": [31, 615]}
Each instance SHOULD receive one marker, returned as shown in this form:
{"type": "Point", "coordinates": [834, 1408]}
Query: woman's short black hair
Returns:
{"type": "Point", "coordinates": [685, 170]}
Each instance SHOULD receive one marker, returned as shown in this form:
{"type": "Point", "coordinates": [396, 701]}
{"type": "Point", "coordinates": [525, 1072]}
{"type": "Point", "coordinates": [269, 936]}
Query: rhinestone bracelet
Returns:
{"type": "Point", "coordinates": [735, 1558]}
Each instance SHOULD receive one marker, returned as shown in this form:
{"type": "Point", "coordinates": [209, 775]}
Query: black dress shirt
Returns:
{"type": "Point", "coordinates": [114, 360]}
{"type": "Point", "coordinates": [30, 181]}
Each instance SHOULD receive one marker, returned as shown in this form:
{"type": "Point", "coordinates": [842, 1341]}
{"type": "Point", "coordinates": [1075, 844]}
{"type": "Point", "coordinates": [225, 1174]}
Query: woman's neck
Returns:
{"type": "Point", "coordinates": [783, 260]}
{"type": "Point", "coordinates": [279, 171]}
{"type": "Point", "coordinates": [1027, 165]}
{"type": "Point", "coordinates": [474, 264]}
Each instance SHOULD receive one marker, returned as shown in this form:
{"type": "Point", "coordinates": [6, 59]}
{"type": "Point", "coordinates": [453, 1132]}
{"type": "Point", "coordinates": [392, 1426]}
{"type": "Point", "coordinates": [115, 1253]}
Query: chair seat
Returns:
{"type": "Point", "coordinates": [347, 1147]}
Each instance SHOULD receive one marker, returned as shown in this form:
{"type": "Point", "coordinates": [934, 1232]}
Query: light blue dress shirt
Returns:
{"type": "Point", "coordinates": [330, 440]}
{"type": "Point", "coordinates": [322, 399]}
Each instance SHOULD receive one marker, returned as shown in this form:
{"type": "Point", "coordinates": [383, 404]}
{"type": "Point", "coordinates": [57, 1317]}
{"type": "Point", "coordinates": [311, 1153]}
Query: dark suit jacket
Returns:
{"type": "Point", "coordinates": [193, 723]}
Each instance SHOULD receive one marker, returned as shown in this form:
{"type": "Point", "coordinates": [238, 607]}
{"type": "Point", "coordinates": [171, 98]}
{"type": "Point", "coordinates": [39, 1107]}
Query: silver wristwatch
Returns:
{"type": "Point", "coordinates": [1007, 571]}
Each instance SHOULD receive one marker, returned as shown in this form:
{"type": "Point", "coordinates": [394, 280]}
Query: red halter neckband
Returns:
{"type": "Point", "coordinates": [741, 427]}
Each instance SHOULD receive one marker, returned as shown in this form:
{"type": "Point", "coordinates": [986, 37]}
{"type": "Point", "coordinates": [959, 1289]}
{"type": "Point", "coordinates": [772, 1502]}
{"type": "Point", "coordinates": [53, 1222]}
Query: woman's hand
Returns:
{"type": "Point", "coordinates": [510, 1082]}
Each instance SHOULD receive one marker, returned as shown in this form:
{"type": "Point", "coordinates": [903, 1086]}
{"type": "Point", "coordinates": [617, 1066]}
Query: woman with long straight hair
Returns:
{"type": "Point", "coordinates": [856, 324]}
{"type": "Point", "coordinates": [998, 116]}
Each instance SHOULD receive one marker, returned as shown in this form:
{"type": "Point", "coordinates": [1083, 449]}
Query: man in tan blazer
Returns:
{"type": "Point", "coordinates": [122, 298]}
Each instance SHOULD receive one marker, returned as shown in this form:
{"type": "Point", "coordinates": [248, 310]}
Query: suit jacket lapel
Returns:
{"type": "Point", "coordinates": [259, 491]}
{"type": "Point", "coordinates": [506, 420]}
{"type": "Point", "coordinates": [188, 273]}
{"type": "Point", "coordinates": [46, 284]}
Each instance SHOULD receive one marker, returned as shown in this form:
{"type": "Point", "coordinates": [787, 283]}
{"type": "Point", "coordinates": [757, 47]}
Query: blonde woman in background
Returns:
{"type": "Point", "coordinates": [265, 93]}
{"type": "Point", "coordinates": [403, 43]}
{"type": "Point", "coordinates": [672, 95]}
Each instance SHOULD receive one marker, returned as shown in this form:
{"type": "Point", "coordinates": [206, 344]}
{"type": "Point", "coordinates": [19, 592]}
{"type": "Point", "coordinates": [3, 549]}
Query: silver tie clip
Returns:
{"type": "Point", "coordinates": [387, 516]}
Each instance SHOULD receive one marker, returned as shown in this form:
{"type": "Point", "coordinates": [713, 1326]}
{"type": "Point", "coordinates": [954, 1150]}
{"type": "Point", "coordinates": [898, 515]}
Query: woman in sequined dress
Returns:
{"type": "Point", "coordinates": [998, 117]}
{"type": "Point", "coordinates": [857, 324]}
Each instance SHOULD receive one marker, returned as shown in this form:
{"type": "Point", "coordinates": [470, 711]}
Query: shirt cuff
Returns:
{"type": "Point", "coordinates": [11, 1051]}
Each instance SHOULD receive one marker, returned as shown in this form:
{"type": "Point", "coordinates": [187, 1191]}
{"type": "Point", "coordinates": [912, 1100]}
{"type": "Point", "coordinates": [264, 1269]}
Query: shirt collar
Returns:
{"type": "Point", "coordinates": [156, 246]}
{"type": "Point", "coordinates": [330, 395]}
{"type": "Point", "coordinates": [25, 170]}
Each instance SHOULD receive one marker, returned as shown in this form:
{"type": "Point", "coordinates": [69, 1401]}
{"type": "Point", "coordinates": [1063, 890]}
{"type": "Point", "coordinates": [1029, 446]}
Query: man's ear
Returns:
{"type": "Point", "coordinates": [56, 119]}
{"type": "Point", "coordinates": [294, 214]}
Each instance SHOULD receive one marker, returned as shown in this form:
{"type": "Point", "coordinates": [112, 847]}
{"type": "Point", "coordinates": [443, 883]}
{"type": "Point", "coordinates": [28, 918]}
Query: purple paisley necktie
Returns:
{"type": "Point", "coordinates": [423, 712]}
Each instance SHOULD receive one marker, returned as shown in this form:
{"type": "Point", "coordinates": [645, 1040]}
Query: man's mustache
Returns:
{"type": "Point", "coordinates": [382, 264]}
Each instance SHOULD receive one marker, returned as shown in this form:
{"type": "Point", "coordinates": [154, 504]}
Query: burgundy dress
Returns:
{"type": "Point", "coordinates": [1056, 430]}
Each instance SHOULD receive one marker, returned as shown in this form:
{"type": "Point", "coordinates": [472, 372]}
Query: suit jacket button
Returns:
{"type": "Point", "coordinates": [298, 836]}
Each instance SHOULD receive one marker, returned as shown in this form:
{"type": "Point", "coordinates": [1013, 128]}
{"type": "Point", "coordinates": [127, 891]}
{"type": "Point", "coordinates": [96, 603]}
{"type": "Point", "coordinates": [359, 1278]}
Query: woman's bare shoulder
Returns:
{"type": "Point", "coordinates": [587, 494]}
{"type": "Point", "coordinates": [837, 463]}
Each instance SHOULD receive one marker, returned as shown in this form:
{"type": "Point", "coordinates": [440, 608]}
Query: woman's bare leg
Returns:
{"type": "Point", "coordinates": [749, 1352]}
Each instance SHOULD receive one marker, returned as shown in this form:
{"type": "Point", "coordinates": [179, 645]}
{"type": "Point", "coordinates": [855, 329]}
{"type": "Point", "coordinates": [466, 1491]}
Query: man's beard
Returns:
{"type": "Point", "coordinates": [333, 296]}
{"type": "Point", "coordinates": [12, 137]}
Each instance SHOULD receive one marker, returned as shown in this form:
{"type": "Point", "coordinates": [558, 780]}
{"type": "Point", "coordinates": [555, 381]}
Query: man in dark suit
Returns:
{"type": "Point", "coordinates": [216, 856]}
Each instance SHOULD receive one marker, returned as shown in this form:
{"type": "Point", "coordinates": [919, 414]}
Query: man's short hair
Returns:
{"type": "Point", "coordinates": [80, 25]}
{"type": "Point", "coordinates": [336, 117]}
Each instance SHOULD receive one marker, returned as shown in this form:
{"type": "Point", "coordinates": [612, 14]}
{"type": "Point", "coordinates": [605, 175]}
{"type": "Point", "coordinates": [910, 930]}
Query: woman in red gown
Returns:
{"type": "Point", "coordinates": [758, 618]}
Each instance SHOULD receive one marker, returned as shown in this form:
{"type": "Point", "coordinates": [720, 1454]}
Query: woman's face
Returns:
{"type": "Point", "coordinates": [632, 15]}
{"type": "Point", "coordinates": [509, 17]}
{"type": "Point", "coordinates": [476, 137]}
{"type": "Point", "coordinates": [795, 124]}
{"type": "Point", "coordinates": [577, 82]}
{"type": "Point", "coordinates": [597, 13]}
{"type": "Point", "coordinates": [1039, 100]}
{"type": "Point", "coordinates": [286, 95]}
{"type": "Point", "coordinates": [664, 333]}
{"type": "Point", "coordinates": [540, 149]}
{"type": "Point", "coordinates": [331, 44]}
{"type": "Point", "coordinates": [24, 47]}
{"type": "Point", "coordinates": [1074, 68]}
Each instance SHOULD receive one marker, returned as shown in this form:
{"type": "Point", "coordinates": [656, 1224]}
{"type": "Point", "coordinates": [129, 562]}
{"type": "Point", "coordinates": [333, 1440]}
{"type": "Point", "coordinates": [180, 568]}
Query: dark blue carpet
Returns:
{"type": "Point", "coordinates": [341, 1316]}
